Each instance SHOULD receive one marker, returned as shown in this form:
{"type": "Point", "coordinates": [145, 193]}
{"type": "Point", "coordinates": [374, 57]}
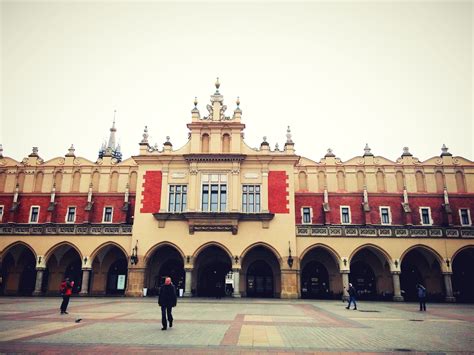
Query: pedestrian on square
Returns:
{"type": "Point", "coordinates": [167, 300]}
{"type": "Point", "coordinates": [421, 296]}
{"type": "Point", "coordinates": [66, 292]}
{"type": "Point", "coordinates": [352, 297]}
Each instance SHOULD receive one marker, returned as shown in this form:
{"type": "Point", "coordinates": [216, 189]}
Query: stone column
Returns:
{"type": "Point", "coordinates": [345, 284]}
{"type": "Point", "coordinates": [236, 274]}
{"type": "Point", "coordinates": [264, 191]}
{"type": "Point", "coordinates": [85, 282]}
{"type": "Point", "coordinates": [164, 191]}
{"type": "Point", "coordinates": [39, 281]}
{"type": "Point", "coordinates": [135, 281]}
{"type": "Point", "coordinates": [397, 294]}
{"type": "Point", "coordinates": [449, 288]}
{"type": "Point", "coordinates": [289, 287]}
{"type": "Point", "coordinates": [188, 283]}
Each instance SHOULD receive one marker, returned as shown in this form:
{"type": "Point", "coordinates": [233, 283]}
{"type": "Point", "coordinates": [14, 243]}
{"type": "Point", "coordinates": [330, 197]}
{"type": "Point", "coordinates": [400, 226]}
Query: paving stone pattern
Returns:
{"type": "Point", "coordinates": [232, 326]}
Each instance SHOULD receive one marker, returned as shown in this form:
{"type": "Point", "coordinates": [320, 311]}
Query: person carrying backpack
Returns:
{"type": "Point", "coordinates": [66, 292]}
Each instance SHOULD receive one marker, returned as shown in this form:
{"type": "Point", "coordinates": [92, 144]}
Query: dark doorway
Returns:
{"type": "Point", "coordinates": [463, 276]}
{"type": "Point", "coordinates": [259, 280]}
{"type": "Point", "coordinates": [212, 279]}
{"type": "Point", "coordinates": [409, 278]}
{"type": "Point", "coordinates": [117, 278]}
{"type": "Point", "coordinates": [74, 272]}
{"type": "Point", "coordinates": [362, 278]}
{"type": "Point", "coordinates": [172, 268]}
{"type": "Point", "coordinates": [315, 281]}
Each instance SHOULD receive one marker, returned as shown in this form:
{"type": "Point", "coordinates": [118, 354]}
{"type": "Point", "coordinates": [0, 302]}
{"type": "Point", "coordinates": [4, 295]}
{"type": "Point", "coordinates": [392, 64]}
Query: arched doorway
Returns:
{"type": "Point", "coordinates": [165, 261]}
{"type": "Point", "coordinates": [213, 264]}
{"type": "Point", "coordinates": [370, 274]}
{"type": "Point", "coordinates": [64, 261]}
{"type": "Point", "coordinates": [320, 276]}
{"type": "Point", "coordinates": [420, 265]}
{"type": "Point", "coordinates": [18, 271]}
{"type": "Point", "coordinates": [259, 279]}
{"type": "Point", "coordinates": [109, 271]}
{"type": "Point", "coordinates": [315, 281]}
{"type": "Point", "coordinates": [463, 275]}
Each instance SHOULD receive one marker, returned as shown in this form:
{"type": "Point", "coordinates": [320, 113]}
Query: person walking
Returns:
{"type": "Point", "coordinates": [352, 297]}
{"type": "Point", "coordinates": [66, 292]}
{"type": "Point", "coordinates": [421, 296]}
{"type": "Point", "coordinates": [167, 300]}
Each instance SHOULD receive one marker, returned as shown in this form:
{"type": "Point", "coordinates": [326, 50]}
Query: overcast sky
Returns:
{"type": "Point", "coordinates": [391, 74]}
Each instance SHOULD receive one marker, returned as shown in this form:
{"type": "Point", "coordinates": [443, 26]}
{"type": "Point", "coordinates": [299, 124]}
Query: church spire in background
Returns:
{"type": "Point", "coordinates": [111, 149]}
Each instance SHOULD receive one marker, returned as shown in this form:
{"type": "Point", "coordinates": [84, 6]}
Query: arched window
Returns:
{"type": "Point", "coordinates": [3, 179]}
{"type": "Point", "coordinates": [439, 181]}
{"type": "Point", "coordinates": [380, 181]}
{"type": "Point", "coordinates": [58, 180]}
{"type": "Point", "coordinates": [303, 181]}
{"type": "Point", "coordinates": [133, 181]}
{"type": "Point", "coordinates": [205, 143]}
{"type": "Point", "coordinates": [114, 182]}
{"type": "Point", "coordinates": [360, 180]}
{"type": "Point", "coordinates": [225, 143]}
{"type": "Point", "coordinates": [76, 182]}
{"type": "Point", "coordinates": [399, 178]}
{"type": "Point", "coordinates": [38, 182]}
{"type": "Point", "coordinates": [95, 181]}
{"type": "Point", "coordinates": [420, 182]}
{"type": "Point", "coordinates": [21, 180]}
{"type": "Point", "coordinates": [321, 180]}
{"type": "Point", "coordinates": [341, 181]}
{"type": "Point", "coordinates": [460, 181]}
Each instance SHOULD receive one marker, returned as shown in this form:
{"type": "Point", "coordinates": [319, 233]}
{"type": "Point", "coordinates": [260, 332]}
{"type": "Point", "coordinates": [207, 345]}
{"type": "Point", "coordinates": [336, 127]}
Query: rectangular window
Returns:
{"type": "Point", "coordinates": [425, 216]}
{"type": "Point", "coordinates": [1, 213]}
{"type": "Point", "coordinates": [177, 198]}
{"type": "Point", "coordinates": [306, 213]}
{"type": "Point", "coordinates": [71, 215]}
{"type": "Point", "coordinates": [385, 215]}
{"type": "Point", "coordinates": [250, 198]}
{"type": "Point", "coordinates": [465, 216]}
{"type": "Point", "coordinates": [214, 193]}
{"type": "Point", "coordinates": [34, 214]}
{"type": "Point", "coordinates": [108, 215]}
{"type": "Point", "coordinates": [345, 215]}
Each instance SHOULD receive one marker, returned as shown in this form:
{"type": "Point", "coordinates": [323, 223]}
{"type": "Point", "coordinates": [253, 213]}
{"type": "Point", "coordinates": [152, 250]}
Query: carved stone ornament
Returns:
{"type": "Point", "coordinates": [99, 161]}
{"type": "Point", "coordinates": [3, 162]}
{"type": "Point", "coordinates": [211, 113]}
{"type": "Point", "coordinates": [61, 161]}
{"type": "Point", "coordinates": [39, 161]}
{"type": "Point", "coordinates": [25, 161]}
{"type": "Point", "coordinates": [193, 171]}
{"type": "Point", "coordinates": [76, 161]}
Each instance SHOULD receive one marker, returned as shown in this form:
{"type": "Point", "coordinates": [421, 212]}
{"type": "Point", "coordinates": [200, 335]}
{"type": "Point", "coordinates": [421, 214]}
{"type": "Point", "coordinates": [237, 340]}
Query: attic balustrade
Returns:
{"type": "Point", "coordinates": [62, 229]}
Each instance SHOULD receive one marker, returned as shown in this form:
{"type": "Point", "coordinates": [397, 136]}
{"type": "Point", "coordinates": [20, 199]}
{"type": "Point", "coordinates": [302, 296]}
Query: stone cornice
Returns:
{"type": "Point", "coordinates": [65, 229]}
{"type": "Point", "coordinates": [207, 157]}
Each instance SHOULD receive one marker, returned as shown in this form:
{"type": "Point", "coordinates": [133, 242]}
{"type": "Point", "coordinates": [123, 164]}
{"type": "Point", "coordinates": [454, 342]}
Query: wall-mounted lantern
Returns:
{"type": "Point", "coordinates": [290, 258]}
{"type": "Point", "coordinates": [134, 256]}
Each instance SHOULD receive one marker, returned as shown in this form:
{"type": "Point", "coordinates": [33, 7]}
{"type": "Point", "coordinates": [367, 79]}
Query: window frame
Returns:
{"type": "Point", "coordinates": [349, 214]}
{"type": "Point", "coordinates": [468, 216]}
{"type": "Point", "coordinates": [67, 214]}
{"type": "Point", "coordinates": [257, 207]}
{"type": "Point", "coordinates": [310, 214]}
{"type": "Point", "coordinates": [181, 194]}
{"type": "Point", "coordinates": [429, 216]}
{"type": "Point", "coordinates": [2, 211]}
{"type": "Point", "coordinates": [389, 215]}
{"type": "Point", "coordinates": [31, 214]}
{"type": "Point", "coordinates": [111, 214]}
{"type": "Point", "coordinates": [220, 184]}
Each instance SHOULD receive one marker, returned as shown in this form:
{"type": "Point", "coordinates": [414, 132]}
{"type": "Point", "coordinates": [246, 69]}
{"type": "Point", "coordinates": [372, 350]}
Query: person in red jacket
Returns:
{"type": "Point", "coordinates": [66, 292]}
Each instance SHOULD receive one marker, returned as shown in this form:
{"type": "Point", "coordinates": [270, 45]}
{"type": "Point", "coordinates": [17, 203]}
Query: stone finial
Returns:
{"type": "Point", "coordinates": [277, 148]}
{"type": "Point", "coordinates": [264, 142]}
{"type": "Point", "coordinates": [237, 101]}
{"type": "Point", "coordinates": [217, 84]}
{"type": "Point", "coordinates": [288, 136]}
{"type": "Point", "coordinates": [145, 135]}
{"type": "Point", "coordinates": [71, 151]}
{"type": "Point", "coordinates": [444, 151]}
{"type": "Point", "coordinates": [330, 154]}
{"type": "Point", "coordinates": [195, 102]}
{"type": "Point", "coordinates": [167, 143]}
{"type": "Point", "coordinates": [1, 151]}
{"type": "Point", "coordinates": [155, 147]}
{"type": "Point", "coordinates": [34, 152]}
{"type": "Point", "coordinates": [367, 150]}
{"type": "Point", "coordinates": [406, 152]}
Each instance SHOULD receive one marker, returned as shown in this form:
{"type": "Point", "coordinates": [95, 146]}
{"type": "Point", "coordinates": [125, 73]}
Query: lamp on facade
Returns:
{"type": "Point", "coordinates": [134, 256]}
{"type": "Point", "coordinates": [290, 258]}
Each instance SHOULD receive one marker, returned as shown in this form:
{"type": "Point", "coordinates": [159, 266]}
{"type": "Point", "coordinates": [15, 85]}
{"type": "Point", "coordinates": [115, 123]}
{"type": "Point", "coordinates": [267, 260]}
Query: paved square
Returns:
{"type": "Point", "coordinates": [235, 326]}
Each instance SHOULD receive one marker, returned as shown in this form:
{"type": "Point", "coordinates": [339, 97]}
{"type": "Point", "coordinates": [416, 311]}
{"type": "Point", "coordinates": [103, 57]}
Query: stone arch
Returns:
{"type": "Point", "coordinates": [103, 245]}
{"type": "Point", "coordinates": [206, 245]}
{"type": "Point", "coordinates": [95, 180]}
{"type": "Point", "coordinates": [424, 247]}
{"type": "Point", "coordinates": [360, 180]}
{"type": "Point", "coordinates": [51, 250]}
{"type": "Point", "coordinates": [76, 181]}
{"type": "Point", "coordinates": [463, 274]}
{"type": "Point", "coordinates": [38, 181]}
{"type": "Point", "coordinates": [58, 180]}
{"type": "Point", "coordinates": [263, 244]}
{"type": "Point", "coordinates": [380, 177]}
{"type": "Point", "coordinates": [18, 269]}
{"type": "Point", "coordinates": [153, 249]}
{"type": "Point", "coordinates": [133, 181]}
{"type": "Point", "coordinates": [330, 250]}
{"type": "Point", "coordinates": [20, 180]}
{"type": "Point", "coordinates": [303, 181]}
{"type": "Point", "coordinates": [341, 181]}
{"type": "Point", "coordinates": [400, 180]}
{"type": "Point", "coordinates": [420, 181]}
{"type": "Point", "coordinates": [464, 247]}
{"type": "Point", "coordinates": [3, 179]}
{"type": "Point", "coordinates": [226, 143]}
{"type": "Point", "coordinates": [380, 250]}
{"type": "Point", "coordinates": [9, 246]}
{"type": "Point", "coordinates": [321, 180]}
{"type": "Point", "coordinates": [205, 143]}
{"type": "Point", "coordinates": [460, 182]}
{"type": "Point", "coordinates": [439, 178]}
{"type": "Point", "coordinates": [114, 178]}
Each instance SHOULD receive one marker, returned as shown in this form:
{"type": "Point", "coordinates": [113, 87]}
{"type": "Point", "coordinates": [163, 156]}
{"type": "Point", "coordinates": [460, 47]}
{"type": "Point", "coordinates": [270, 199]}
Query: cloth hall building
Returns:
{"type": "Point", "coordinates": [219, 216]}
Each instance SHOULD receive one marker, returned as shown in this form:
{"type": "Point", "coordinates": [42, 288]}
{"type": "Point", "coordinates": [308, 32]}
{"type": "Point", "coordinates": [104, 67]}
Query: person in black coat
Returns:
{"type": "Point", "coordinates": [167, 300]}
{"type": "Point", "coordinates": [352, 296]}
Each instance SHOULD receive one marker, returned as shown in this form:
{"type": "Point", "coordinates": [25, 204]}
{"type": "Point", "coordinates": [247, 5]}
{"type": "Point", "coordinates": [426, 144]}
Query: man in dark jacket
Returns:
{"type": "Point", "coordinates": [167, 300]}
{"type": "Point", "coordinates": [352, 296]}
{"type": "Point", "coordinates": [421, 296]}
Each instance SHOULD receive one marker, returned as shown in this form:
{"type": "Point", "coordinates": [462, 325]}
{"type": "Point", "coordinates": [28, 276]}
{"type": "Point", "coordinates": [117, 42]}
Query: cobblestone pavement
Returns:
{"type": "Point", "coordinates": [232, 326]}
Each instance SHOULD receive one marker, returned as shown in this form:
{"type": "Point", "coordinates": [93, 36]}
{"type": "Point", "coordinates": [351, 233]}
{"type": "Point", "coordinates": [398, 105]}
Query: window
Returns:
{"type": "Point", "coordinates": [177, 198]}
{"type": "Point", "coordinates": [214, 193]}
{"type": "Point", "coordinates": [34, 214]}
{"type": "Point", "coordinates": [345, 215]}
{"type": "Point", "coordinates": [385, 215]}
{"type": "Point", "coordinates": [306, 215]}
{"type": "Point", "coordinates": [1, 212]}
{"type": "Point", "coordinates": [71, 215]}
{"type": "Point", "coordinates": [108, 214]}
{"type": "Point", "coordinates": [250, 198]}
{"type": "Point", "coordinates": [425, 216]}
{"type": "Point", "coordinates": [465, 217]}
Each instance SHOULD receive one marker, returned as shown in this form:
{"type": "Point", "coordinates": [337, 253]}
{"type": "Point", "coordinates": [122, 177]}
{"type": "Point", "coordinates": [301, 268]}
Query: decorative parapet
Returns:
{"type": "Point", "coordinates": [384, 231]}
{"type": "Point", "coordinates": [61, 229]}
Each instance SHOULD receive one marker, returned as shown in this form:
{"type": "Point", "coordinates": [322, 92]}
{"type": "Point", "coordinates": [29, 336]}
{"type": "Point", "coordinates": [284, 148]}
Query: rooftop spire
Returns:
{"type": "Point", "coordinates": [111, 144]}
